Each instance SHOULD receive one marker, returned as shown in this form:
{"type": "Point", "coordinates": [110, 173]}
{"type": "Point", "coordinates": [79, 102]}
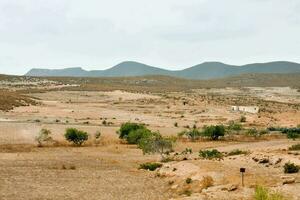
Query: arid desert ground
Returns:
{"type": "Point", "coordinates": [109, 169]}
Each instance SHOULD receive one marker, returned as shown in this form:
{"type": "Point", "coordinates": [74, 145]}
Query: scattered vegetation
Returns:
{"type": "Point", "coordinates": [43, 136]}
{"type": "Point", "coordinates": [210, 154]}
{"type": "Point", "coordinates": [150, 166]}
{"type": "Point", "coordinates": [290, 168]}
{"type": "Point", "coordinates": [75, 136]}
{"type": "Point", "coordinates": [237, 152]}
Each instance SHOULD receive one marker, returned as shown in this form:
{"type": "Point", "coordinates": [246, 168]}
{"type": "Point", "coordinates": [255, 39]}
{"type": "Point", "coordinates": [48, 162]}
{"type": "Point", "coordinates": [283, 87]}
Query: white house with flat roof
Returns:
{"type": "Point", "coordinates": [249, 109]}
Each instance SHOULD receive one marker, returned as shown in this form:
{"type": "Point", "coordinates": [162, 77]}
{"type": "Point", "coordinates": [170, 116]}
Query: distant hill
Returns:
{"type": "Point", "coordinates": [207, 70]}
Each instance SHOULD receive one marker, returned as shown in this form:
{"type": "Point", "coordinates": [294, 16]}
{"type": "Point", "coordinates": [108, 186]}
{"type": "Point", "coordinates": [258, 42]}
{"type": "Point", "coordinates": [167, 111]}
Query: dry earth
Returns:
{"type": "Point", "coordinates": [110, 170]}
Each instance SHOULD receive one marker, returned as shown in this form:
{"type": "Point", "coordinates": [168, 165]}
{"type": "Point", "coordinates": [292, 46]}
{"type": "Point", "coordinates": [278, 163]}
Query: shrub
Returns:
{"type": "Point", "coordinates": [295, 147]}
{"type": "Point", "coordinates": [193, 134]}
{"type": "Point", "coordinates": [136, 135]}
{"type": "Point", "coordinates": [234, 126]}
{"type": "Point", "coordinates": [290, 168]}
{"type": "Point", "coordinates": [262, 193]}
{"type": "Point", "coordinates": [76, 136]}
{"type": "Point", "coordinates": [97, 137]}
{"type": "Point", "coordinates": [253, 132]}
{"type": "Point", "coordinates": [43, 136]}
{"type": "Point", "coordinates": [292, 135]}
{"type": "Point", "coordinates": [243, 119]}
{"type": "Point", "coordinates": [150, 166]}
{"type": "Point", "coordinates": [214, 132]}
{"type": "Point", "coordinates": [210, 154]}
{"type": "Point", "coordinates": [155, 143]}
{"type": "Point", "coordinates": [127, 127]}
{"type": "Point", "coordinates": [176, 124]}
{"type": "Point", "coordinates": [188, 181]}
{"type": "Point", "coordinates": [237, 152]}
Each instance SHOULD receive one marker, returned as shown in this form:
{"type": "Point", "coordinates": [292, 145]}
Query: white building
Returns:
{"type": "Point", "coordinates": [249, 109]}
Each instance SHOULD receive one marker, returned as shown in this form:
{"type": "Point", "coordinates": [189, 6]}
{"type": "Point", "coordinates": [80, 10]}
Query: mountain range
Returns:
{"type": "Point", "coordinates": [206, 70]}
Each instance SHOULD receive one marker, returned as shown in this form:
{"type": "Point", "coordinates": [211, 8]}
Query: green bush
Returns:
{"type": "Point", "coordinates": [76, 136]}
{"type": "Point", "coordinates": [292, 135]}
{"type": "Point", "coordinates": [214, 132]}
{"type": "Point", "coordinates": [150, 166]}
{"type": "Point", "coordinates": [136, 135]}
{"type": "Point", "coordinates": [210, 154]}
{"type": "Point", "coordinates": [290, 168]}
{"type": "Point", "coordinates": [127, 127]}
{"type": "Point", "coordinates": [295, 147]}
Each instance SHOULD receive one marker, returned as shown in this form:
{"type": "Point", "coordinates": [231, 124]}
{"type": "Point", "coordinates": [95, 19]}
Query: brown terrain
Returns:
{"type": "Point", "coordinates": [110, 169]}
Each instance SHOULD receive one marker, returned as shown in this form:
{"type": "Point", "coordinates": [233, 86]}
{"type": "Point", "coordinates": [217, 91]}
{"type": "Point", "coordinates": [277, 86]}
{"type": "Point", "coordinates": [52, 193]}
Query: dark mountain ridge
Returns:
{"type": "Point", "coordinates": [206, 70]}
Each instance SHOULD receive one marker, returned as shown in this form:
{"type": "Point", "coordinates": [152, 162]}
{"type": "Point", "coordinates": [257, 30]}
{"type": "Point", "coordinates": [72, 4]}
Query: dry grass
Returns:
{"type": "Point", "coordinates": [10, 100]}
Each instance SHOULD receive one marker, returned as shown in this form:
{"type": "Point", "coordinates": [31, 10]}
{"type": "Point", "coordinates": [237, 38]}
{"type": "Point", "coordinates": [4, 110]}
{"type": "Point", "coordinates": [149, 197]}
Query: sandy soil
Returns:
{"type": "Point", "coordinates": [110, 170]}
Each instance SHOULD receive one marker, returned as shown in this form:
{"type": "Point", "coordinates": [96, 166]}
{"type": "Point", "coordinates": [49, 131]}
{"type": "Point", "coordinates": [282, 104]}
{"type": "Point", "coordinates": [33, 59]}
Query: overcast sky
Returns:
{"type": "Point", "coordinates": [173, 34]}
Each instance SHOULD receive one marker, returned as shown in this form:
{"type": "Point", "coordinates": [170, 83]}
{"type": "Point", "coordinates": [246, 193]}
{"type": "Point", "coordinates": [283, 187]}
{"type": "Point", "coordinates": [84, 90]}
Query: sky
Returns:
{"type": "Point", "coordinates": [172, 34]}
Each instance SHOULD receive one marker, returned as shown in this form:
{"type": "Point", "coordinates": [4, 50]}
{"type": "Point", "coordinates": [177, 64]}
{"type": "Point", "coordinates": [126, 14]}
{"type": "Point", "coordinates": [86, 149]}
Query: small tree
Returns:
{"type": "Point", "coordinates": [43, 136]}
{"type": "Point", "coordinates": [155, 143]}
{"type": "Point", "coordinates": [76, 136]}
{"type": "Point", "coordinates": [214, 132]}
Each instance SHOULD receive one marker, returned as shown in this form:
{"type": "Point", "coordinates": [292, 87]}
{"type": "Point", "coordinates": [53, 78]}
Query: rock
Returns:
{"type": "Point", "coordinates": [278, 161]}
{"type": "Point", "coordinates": [264, 160]}
{"type": "Point", "coordinates": [288, 180]}
{"type": "Point", "coordinates": [174, 187]}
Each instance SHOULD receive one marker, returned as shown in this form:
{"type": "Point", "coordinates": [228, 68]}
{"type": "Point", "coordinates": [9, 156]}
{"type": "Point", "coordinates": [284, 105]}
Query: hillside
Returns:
{"type": "Point", "coordinates": [207, 70]}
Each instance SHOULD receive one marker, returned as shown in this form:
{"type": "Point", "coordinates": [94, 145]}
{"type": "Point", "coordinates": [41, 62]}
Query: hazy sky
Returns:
{"type": "Point", "coordinates": [173, 34]}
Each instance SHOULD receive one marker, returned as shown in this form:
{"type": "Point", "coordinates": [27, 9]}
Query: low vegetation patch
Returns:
{"type": "Point", "coordinates": [210, 154]}
{"type": "Point", "coordinates": [44, 136]}
{"type": "Point", "coordinates": [151, 166]}
{"type": "Point", "coordinates": [290, 168]}
{"type": "Point", "coordinates": [295, 147]}
{"type": "Point", "coordinates": [237, 152]}
{"type": "Point", "coordinates": [262, 193]}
